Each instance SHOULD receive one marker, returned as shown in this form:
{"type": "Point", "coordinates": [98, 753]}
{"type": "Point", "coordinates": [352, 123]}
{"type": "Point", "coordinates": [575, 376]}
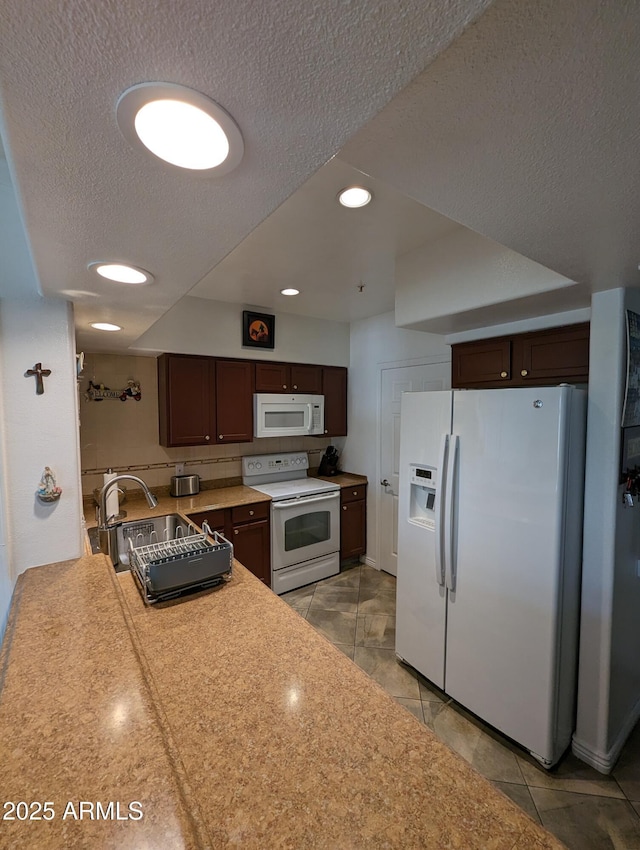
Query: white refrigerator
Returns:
{"type": "Point", "coordinates": [489, 554]}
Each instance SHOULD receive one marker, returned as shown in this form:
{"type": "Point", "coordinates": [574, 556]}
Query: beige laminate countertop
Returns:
{"type": "Point", "coordinates": [206, 500]}
{"type": "Point", "coordinates": [209, 500]}
{"type": "Point", "coordinates": [228, 718]}
{"type": "Point", "coordinates": [344, 479]}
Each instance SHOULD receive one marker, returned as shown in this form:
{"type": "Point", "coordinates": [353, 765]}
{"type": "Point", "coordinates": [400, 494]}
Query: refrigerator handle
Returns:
{"type": "Point", "coordinates": [450, 498]}
{"type": "Point", "coordinates": [438, 508]}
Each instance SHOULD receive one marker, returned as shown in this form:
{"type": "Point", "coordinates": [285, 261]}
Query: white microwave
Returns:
{"type": "Point", "coordinates": [282, 415]}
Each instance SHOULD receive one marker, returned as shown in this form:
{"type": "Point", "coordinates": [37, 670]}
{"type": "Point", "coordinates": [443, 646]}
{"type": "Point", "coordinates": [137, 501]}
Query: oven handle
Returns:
{"type": "Point", "coordinates": [303, 500]}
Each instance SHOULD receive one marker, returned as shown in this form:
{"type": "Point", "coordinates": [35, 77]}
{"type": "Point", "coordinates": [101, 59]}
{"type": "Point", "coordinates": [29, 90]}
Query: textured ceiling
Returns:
{"type": "Point", "coordinates": [518, 120]}
{"type": "Point", "coordinates": [527, 130]}
{"type": "Point", "coordinates": [299, 79]}
{"type": "Point", "coordinates": [326, 251]}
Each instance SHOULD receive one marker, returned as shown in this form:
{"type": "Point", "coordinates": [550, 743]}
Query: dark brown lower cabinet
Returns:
{"type": "Point", "coordinates": [251, 546]}
{"type": "Point", "coordinates": [248, 528]}
{"type": "Point", "coordinates": [353, 521]}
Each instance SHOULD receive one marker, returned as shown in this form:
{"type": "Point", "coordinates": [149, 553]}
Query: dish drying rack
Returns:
{"type": "Point", "coordinates": [169, 568]}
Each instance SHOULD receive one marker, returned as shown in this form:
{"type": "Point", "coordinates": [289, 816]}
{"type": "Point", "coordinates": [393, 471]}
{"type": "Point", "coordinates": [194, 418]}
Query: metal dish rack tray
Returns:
{"type": "Point", "coordinates": [172, 567]}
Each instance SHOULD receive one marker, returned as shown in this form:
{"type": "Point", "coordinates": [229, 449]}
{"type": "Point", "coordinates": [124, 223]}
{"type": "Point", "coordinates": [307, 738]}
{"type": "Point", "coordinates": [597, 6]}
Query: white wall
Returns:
{"type": "Point", "coordinates": [7, 577]}
{"type": "Point", "coordinates": [202, 326]}
{"type": "Point", "coordinates": [376, 342]}
{"type": "Point", "coordinates": [463, 273]}
{"type": "Point", "coordinates": [537, 323]}
{"type": "Point", "coordinates": [39, 431]}
{"type": "Point", "coordinates": [609, 666]}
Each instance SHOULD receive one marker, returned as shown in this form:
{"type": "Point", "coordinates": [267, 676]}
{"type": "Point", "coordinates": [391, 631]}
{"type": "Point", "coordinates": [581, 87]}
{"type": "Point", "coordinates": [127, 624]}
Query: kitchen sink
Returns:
{"type": "Point", "coordinates": [142, 532]}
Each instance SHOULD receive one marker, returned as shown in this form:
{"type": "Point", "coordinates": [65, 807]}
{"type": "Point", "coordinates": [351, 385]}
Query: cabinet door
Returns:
{"type": "Point", "coordinates": [334, 389]}
{"type": "Point", "coordinates": [234, 401]}
{"type": "Point", "coordinates": [252, 547]}
{"type": "Point", "coordinates": [186, 400]}
{"type": "Point", "coordinates": [353, 529]}
{"type": "Point", "coordinates": [552, 356]}
{"type": "Point", "coordinates": [485, 362]}
{"type": "Point", "coordinates": [306, 379]}
{"type": "Point", "coordinates": [272, 377]}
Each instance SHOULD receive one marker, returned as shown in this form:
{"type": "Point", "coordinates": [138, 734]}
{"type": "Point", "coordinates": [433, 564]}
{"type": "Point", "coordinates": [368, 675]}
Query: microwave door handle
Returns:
{"type": "Point", "coordinates": [310, 417]}
{"type": "Point", "coordinates": [287, 503]}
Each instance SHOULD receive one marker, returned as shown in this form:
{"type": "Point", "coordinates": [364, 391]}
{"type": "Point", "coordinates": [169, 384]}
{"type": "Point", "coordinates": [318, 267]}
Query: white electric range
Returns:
{"type": "Point", "coordinates": [305, 518]}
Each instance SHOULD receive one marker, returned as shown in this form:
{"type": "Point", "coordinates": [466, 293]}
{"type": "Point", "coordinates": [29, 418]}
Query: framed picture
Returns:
{"type": "Point", "coordinates": [630, 452]}
{"type": "Point", "coordinates": [258, 330]}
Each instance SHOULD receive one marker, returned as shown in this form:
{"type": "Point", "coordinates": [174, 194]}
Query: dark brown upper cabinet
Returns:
{"type": "Point", "coordinates": [288, 377]}
{"type": "Point", "coordinates": [334, 389]}
{"type": "Point", "coordinates": [234, 401]}
{"type": "Point", "coordinates": [553, 356]}
{"type": "Point", "coordinates": [482, 363]}
{"type": "Point", "coordinates": [206, 400]}
{"type": "Point", "coordinates": [542, 358]}
{"type": "Point", "coordinates": [186, 400]}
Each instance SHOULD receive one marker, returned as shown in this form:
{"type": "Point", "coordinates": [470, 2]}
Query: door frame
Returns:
{"type": "Point", "coordinates": [428, 360]}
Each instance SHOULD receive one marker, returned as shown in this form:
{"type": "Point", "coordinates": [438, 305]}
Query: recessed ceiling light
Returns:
{"type": "Point", "coordinates": [180, 126]}
{"type": "Point", "coordinates": [122, 273]}
{"type": "Point", "coordinates": [105, 326]}
{"type": "Point", "coordinates": [354, 196]}
{"type": "Point", "coordinates": [290, 291]}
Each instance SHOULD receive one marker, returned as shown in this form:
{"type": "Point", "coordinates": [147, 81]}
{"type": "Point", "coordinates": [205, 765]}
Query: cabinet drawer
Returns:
{"type": "Point", "coordinates": [214, 518]}
{"type": "Point", "coordinates": [249, 513]}
{"type": "Point", "coordinates": [353, 494]}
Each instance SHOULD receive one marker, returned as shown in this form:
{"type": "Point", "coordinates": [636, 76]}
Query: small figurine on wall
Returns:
{"type": "Point", "coordinates": [98, 392]}
{"type": "Point", "coordinates": [48, 491]}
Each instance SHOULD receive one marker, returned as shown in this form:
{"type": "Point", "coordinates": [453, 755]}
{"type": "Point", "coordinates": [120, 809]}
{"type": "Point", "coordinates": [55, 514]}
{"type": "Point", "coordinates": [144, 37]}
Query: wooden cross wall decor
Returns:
{"type": "Point", "coordinates": [39, 373]}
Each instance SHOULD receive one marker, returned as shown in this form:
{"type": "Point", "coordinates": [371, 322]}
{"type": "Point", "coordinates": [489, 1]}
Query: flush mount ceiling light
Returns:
{"type": "Point", "coordinates": [354, 196]}
{"type": "Point", "coordinates": [105, 326]}
{"type": "Point", "coordinates": [180, 126]}
{"type": "Point", "coordinates": [122, 273]}
{"type": "Point", "coordinates": [290, 291]}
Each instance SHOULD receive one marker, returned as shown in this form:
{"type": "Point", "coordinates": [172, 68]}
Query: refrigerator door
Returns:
{"type": "Point", "coordinates": [505, 614]}
{"type": "Point", "coordinates": [425, 423]}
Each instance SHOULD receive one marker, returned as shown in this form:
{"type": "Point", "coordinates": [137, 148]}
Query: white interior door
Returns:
{"type": "Point", "coordinates": [395, 381]}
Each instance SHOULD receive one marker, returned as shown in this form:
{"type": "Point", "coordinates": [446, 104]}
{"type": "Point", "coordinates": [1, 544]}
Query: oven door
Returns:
{"type": "Point", "coordinates": [302, 529]}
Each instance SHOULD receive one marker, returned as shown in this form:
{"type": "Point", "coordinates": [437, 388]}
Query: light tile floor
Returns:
{"type": "Point", "coordinates": [586, 810]}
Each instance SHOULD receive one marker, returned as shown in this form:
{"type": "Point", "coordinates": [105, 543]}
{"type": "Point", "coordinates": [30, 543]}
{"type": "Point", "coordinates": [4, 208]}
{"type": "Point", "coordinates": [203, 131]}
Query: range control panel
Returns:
{"type": "Point", "coordinates": [269, 464]}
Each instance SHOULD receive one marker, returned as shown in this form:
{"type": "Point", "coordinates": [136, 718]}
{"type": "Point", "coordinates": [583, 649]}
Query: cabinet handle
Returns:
{"type": "Point", "coordinates": [235, 530]}
{"type": "Point", "coordinates": [355, 492]}
{"type": "Point", "coordinates": [207, 437]}
{"type": "Point", "coordinates": [326, 430]}
{"type": "Point", "coordinates": [524, 372]}
{"type": "Point", "coordinates": [250, 513]}
{"type": "Point", "coordinates": [503, 374]}
{"type": "Point", "coordinates": [284, 386]}
{"type": "Point", "coordinates": [221, 436]}
{"type": "Point", "coordinates": [295, 386]}
{"type": "Point", "coordinates": [344, 507]}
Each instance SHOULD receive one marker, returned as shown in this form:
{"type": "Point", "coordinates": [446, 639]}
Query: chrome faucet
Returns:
{"type": "Point", "coordinates": [107, 531]}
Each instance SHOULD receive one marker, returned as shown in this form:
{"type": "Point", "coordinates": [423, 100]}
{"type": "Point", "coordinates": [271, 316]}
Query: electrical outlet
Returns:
{"type": "Point", "coordinates": [179, 468]}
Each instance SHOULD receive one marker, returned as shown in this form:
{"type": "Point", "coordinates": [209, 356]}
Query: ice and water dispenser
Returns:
{"type": "Point", "coordinates": [422, 503]}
